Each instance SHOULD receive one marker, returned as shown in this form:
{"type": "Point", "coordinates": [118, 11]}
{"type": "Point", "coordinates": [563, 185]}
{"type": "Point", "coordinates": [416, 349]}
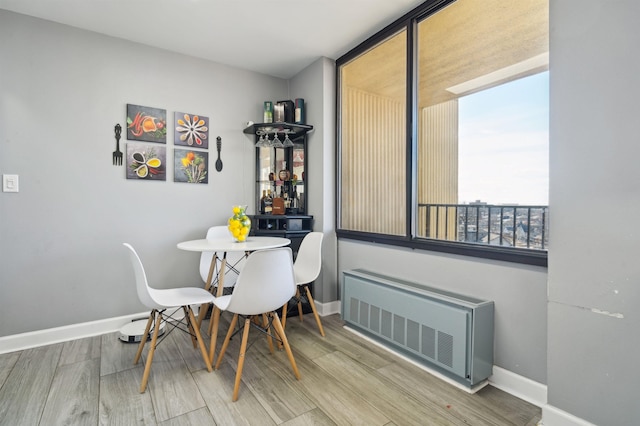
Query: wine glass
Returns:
{"type": "Point", "coordinates": [277, 143]}
{"type": "Point", "coordinates": [287, 142]}
{"type": "Point", "coordinates": [261, 141]}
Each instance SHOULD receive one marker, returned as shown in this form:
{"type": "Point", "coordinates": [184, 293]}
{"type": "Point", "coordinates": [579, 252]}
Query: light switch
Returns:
{"type": "Point", "coordinates": [9, 183]}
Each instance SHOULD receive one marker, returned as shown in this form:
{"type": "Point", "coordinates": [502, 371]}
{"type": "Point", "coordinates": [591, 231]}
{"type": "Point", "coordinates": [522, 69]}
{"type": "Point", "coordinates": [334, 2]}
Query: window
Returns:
{"type": "Point", "coordinates": [443, 131]}
{"type": "Point", "coordinates": [373, 128]}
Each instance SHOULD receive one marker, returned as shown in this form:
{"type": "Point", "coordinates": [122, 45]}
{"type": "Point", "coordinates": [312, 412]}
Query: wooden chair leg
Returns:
{"type": "Point", "coordinates": [190, 326]}
{"type": "Point", "coordinates": [299, 303]}
{"type": "Point", "coordinates": [284, 314]}
{"type": "Point", "coordinates": [278, 326]}
{"type": "Point", "coordinates": [210, 329]}
{"type": "Point", "coordinates": [203, 349]}
{"type": "Point", "coordinates": [265, 324]}
{"type": "Point", "coordinates": [143, 339]}
{"type": "Point", "coordinates": [202, 313]}
{"type": "Point", "coordinates": [243, 350]}
{"type": "Point", "coordinates": [315, 312]}
{"type": "Point", "coordinates": [234, 321]}
{"type": "Point", "coordinates": [152, 349]}
{"type": "Point", "coordinates": [213, 332]}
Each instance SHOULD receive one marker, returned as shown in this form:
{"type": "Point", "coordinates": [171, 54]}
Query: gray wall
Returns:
{"type": "Point", "coordinates": [316, 83]}
{"type": "Point", "coordinates": [594, 267]}
{"type": "Point", "coordinates": [62, 90]}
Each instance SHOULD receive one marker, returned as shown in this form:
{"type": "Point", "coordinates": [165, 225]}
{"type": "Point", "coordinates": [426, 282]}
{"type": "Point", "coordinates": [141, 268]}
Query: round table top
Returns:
{"type": "Point", "coordinates": [227, 244]}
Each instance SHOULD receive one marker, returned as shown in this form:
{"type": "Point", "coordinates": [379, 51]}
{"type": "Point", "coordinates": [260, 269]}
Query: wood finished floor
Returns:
{"type": "Point", "coordinates": [346, 380]}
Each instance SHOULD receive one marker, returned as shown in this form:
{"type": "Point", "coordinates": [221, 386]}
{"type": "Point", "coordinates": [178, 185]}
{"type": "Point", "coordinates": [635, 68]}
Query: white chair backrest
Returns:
{"type": "Point", "coordinates": [214, 233]}
{"type": "Point", "coordinates": [266, 282]}
{"type": "Point", "coordinates": [309, 259]}
{"type": "Point", "coordinates": [145, 293]}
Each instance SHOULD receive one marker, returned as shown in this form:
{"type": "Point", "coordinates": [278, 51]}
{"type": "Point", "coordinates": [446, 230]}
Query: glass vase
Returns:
{"type": "Point", "coordinates": [239, 224]}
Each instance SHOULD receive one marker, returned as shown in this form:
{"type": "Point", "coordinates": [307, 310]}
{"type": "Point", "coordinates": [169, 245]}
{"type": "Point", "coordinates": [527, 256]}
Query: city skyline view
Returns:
{"type": "Point", "coordinates": [504, 143]}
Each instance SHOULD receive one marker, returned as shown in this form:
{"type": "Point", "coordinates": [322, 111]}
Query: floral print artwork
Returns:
{"type": "Point", "coordinates": [191, 130]}
{"type": "Point", "coordinates": [190, 166]}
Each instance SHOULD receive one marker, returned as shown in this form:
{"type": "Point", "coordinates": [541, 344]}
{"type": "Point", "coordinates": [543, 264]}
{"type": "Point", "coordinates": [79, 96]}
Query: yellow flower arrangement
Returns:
{"type": "Point", "coordinates": [239, 224]}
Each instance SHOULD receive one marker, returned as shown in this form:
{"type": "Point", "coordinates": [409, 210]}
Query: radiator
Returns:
{"type": "Point", "coordinates": [451, 333]}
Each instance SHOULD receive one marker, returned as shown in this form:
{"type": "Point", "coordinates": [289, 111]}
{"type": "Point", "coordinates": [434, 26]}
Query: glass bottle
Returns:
{"type": "Point", "coordinates": [262, 205]}
{"type": "Point", "coordinates": [287, 202]}
{"type": "Point", "coordinates": [294, 198]}
{"type": "Point", "coordinates": [299, 114]}
{"type": "Point", "coordinates": [268, 112]}
{"type": "Point", "coordinates": [268, 203]}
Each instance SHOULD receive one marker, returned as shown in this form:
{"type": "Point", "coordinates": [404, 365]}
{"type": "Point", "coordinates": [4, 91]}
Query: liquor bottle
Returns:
{"type": "Point", "coordinates": [268, 112]}
{"type": "Point", "coordinates": [268, 203]}
{"type": "Point", "coordinates": [299, 114]}
{"type": "Point", "coordinates": [262, 205]}
{"type": "Point", "coordinates": [294, 198]}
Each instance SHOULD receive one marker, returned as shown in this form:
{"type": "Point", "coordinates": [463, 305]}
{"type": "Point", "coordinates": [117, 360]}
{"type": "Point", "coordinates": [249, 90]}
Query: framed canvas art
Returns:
{"type": "Point", "coordinates": [146, 162]}
{"type": "Point", "coordinates": [190, 166]}
{"type": "Point", "coordinates": [191, 130]}
{"type": "Point", "coordinates": [146, 124]}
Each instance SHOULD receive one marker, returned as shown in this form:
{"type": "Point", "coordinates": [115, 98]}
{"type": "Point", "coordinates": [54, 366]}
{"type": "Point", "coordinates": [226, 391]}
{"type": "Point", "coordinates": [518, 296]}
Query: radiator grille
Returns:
{"type": "Point", "coordinates": [385, 326]}
{"type": "Point", "coordinates": [430, 325]}
{"type": "Point", "coordinates": [445, 348]}
{"type": "Point", "coordinates": [428, 342]}
{"type": "Point", "coordinates": [413, 335]}
{"type": "Point", "coordinates": [417, 337]}
{"type": "Point", "coordinates": [364, 314]}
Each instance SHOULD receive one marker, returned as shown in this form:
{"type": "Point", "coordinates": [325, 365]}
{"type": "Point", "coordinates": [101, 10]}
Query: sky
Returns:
{"type": "Point", "coordinates": [504, 143]}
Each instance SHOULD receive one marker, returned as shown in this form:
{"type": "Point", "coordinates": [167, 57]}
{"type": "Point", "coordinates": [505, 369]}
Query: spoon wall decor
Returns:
{"type": "Point", "coordinates": [218, 147]}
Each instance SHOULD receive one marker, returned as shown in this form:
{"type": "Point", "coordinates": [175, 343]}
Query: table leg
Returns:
{"type": "Point", "coordinates": [205, 306]}
{"type": "Point", "coordinates": [215, 316]}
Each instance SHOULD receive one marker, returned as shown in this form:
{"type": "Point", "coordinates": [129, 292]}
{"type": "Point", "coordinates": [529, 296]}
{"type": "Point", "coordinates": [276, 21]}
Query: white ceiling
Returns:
{"type": "Point", "coordinates": [273, 37]}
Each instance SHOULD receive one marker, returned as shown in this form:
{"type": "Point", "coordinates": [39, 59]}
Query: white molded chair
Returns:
{"type": "Point", "coordinates": [159, 300]}
{"type": "Point", "coordinates": [265, 283]}
{"type": "Point", "coordinates": [307, 269]}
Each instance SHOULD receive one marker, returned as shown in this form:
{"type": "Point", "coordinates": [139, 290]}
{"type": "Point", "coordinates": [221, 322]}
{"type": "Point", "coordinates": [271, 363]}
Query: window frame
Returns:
{"type": "Point", "coordinates": [409, 22]}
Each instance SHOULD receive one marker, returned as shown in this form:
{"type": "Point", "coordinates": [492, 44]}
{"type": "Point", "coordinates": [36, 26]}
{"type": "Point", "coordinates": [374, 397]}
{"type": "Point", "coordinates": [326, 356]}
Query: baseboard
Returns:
{"type": "Point", "coordinates": [50, 336]}
{"type": "Point", "coordinates": [520, 386]}
{"type": "Point", "coordinates": [18, 342]}
{"type": "Point", "coordinates": [33, 339]}
{"type": "Point", "coordinates": [329, 308]}
{"type": "Point", "coordinates": [552, 416]}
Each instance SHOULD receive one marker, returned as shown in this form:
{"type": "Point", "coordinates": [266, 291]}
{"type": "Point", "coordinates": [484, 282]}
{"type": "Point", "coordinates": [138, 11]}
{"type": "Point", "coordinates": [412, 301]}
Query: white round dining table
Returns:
{"type": "Point", "coordinates": [252, 243]}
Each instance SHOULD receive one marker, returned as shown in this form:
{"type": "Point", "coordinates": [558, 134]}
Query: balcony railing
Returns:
{"type": "Point", "coordinates": [515, 226]}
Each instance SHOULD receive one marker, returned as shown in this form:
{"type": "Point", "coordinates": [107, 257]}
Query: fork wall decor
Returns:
{"type": "Point", "coordinates": [117, 154]}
